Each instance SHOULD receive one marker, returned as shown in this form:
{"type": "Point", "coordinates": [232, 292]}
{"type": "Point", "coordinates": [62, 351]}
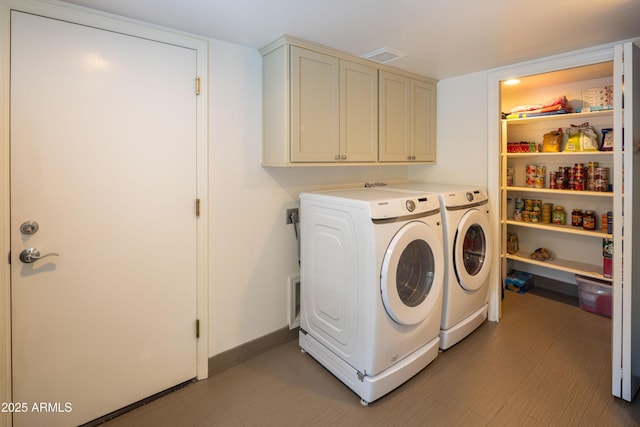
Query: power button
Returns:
{"type": "Point", "coordinates": [411, 205]}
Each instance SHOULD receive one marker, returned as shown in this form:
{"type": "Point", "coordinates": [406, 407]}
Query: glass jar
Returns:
{"type": "Point", "coordinates": [559, 215]}
{"type": "Point", "coordinates": [589, 220]}
{"type": "Point", "coordinates": [576, 218]}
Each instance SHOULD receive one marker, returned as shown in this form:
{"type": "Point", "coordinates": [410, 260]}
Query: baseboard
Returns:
{"type": "Point", "coordinates": [235, 356]}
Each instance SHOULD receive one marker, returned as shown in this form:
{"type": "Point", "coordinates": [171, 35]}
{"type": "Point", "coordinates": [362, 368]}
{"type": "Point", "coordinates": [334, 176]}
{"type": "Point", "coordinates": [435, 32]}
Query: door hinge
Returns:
{"type": "Point", "coordinates": [197, 328]}
{"type": "Point", "coordinates": [197, 207]}
{"type": "Point", "coordinates": [9, 257]}
{"type": "Point", "coordinates": [197, 85]}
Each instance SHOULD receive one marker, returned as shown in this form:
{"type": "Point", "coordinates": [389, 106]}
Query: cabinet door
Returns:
{"type": "Point", "coordinates": [315, 112]}
{"type": "Point", "coordinates": [423, 120]}
{"type": "Point", "coordinates": [395, 92]}
{"type": "Point", "coordinates": [358, 112]}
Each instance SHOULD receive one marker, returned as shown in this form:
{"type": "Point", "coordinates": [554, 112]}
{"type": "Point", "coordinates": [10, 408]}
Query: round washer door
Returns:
{"type": "Point", "coordinates": [412, 273]}
{"type": "Point", "coordinates": [472, 250]}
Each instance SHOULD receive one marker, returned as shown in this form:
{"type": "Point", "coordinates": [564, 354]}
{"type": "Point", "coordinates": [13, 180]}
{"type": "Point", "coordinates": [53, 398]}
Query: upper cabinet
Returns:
{"type": "Point", "coordinates": [334, 109]}
{"type": "Point", "coordinates": [322, 106]}
{"type": "Point", "coordinates": [407, 119]}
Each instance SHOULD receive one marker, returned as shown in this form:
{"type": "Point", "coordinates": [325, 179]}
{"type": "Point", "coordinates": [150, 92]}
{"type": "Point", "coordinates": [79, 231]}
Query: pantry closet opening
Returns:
{"type": "Point", "coordinates": [557, 185]}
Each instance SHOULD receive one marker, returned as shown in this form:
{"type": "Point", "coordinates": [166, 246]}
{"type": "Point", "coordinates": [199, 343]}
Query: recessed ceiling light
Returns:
{"type": "Point", "coordinates": [384, 55]}
{"type": "Point", "coordinates": [511, 82]}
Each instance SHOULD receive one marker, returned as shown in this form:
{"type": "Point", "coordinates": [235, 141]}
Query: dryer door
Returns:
{"type": "Point", "coordinates": [412, 273]}
{"type": "Point", "coordinates": [472, 250]}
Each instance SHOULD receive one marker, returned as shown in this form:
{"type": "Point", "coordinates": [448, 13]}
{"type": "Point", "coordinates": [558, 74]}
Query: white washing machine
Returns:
{"type": "Point", "coordinates": [468, 245]}
{"type": "Point", "coordinates": [372, 275]}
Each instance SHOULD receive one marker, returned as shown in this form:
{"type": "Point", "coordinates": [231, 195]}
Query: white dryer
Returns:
{"type": "Point", "coordinates": [468, 245]}
{"type": "Point", "coordinates": [372, 274]}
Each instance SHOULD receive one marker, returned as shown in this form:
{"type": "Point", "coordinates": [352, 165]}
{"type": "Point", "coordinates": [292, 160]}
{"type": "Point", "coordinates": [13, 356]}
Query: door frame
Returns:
{"type": "Point", "coordinates": [89, 17]}
{"type": "Point", "coordinates": [543, 65]}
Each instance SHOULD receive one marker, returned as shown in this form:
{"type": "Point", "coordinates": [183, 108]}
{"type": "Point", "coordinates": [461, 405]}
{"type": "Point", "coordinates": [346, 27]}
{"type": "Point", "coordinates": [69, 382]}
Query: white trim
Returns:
{"type": "Point", "coordinates": [617, 374]}
{"type": "Point", "coordinates": [85, 16]}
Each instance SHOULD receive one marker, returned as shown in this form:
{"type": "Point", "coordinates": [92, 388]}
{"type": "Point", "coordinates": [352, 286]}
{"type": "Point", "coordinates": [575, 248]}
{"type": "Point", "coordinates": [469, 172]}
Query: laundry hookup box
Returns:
{"type": "Point", "coordinates": [595, 295]}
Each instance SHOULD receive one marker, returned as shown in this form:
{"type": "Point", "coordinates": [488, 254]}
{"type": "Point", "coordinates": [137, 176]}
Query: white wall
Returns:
{"type": "Point", "coordinates": [461, 133]}
{"type": "Point", "coordinates": [253, 251]}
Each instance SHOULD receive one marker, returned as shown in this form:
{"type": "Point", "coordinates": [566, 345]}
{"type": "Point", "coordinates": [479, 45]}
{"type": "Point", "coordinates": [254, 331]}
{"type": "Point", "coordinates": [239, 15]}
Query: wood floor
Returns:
{"type": "Point", "coordinates": [546, 363]}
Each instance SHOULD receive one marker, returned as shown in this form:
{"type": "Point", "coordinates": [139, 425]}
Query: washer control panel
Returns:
{"type": "Point", "coordinates": [394, 208]}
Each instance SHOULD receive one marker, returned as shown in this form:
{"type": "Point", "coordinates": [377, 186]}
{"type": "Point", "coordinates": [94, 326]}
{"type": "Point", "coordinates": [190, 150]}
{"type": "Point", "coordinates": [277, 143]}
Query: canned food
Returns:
{"type": "Point", "coordinates": [589, 220]}
{"type": "Point", "coordinates": [576, 218]}
{"type": "Point", "coordinates": [519, 204]}
{"type": "Point", "coordinates": [559, 215]}
{"type": "Point", "coordinates": [534, 217]}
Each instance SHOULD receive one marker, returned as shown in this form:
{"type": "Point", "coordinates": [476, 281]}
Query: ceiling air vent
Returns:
{"type": "Point", "coordinates": [384, 55]}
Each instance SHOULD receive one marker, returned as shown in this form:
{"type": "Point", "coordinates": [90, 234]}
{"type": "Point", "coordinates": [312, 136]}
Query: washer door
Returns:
{"type": "Point", "coordinates": [412, 273]}
{"type": "Point", "coordinates": [472, 250]}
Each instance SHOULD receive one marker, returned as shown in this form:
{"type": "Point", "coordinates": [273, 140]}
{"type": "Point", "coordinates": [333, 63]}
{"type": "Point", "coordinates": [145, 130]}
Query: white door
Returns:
{"type": "Point", "coordinates": [472, 250]}
{"type": "Point", "coordinates": [412, 273]}
{"type": "Point", "coordinates": [103, 155]}
{"type": "Point", "coordinates": [626, 287]}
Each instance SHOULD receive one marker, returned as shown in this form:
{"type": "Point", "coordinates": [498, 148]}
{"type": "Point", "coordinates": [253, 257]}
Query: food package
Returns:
{"type": "Point", "coordinates": [552, 141]}
{"type": "Point", "coordinates": [581, 138]}
{"type": "Point", "coordinates": [542, 254]}
{"type": "Point", "coordinates": [607, 139]}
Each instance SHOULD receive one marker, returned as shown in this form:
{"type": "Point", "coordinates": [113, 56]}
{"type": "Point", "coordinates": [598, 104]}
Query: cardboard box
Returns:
{"type": "Point", "coordinates": [518, 281]}
{"type": "Point", "coordinates": [597, 98]}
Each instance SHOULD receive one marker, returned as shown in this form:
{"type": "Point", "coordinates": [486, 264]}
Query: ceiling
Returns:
{"type": "Point", "coordinates": [441, 38]}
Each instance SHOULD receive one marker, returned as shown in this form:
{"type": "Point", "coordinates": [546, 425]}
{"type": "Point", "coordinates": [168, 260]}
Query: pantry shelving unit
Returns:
{"type": "Point", "coordinates": [576, 250]}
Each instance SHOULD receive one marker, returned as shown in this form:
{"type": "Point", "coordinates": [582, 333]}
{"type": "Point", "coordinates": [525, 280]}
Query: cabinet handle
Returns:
{"type": "Point", "coordinates": [344, 157]}
{"type": "Point", "coordinates": [337, 156]}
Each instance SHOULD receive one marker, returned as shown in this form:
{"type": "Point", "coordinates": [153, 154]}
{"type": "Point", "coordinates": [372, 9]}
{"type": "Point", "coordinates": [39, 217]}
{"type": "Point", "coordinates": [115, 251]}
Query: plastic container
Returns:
{"type": "Point", "coordinates": [559, 216]}
{"type": "Point", "coordinates": [595, 296]}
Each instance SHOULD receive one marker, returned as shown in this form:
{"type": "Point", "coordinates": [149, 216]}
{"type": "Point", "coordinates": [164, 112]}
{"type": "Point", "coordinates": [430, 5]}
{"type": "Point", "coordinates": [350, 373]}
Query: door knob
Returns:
{"type": "Point", "coordinates": [30, 255]}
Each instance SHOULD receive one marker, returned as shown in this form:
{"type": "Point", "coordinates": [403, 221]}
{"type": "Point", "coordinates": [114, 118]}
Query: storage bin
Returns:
{"type": "Point", "coordinates": [595, 296]}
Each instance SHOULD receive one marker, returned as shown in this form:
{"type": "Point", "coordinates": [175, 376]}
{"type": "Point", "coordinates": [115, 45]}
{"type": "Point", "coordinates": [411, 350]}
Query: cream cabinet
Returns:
{"type": "Point", "coordinates": [407, 119]}
{"type": "Point", "coordinates": [322, 106]}
{"type": "Point", "coordinates": [334, 109]}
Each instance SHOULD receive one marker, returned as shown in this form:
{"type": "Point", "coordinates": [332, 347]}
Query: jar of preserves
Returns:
{"type": "Point", "coordinates": [576, 218]}
{"type": "Point", "coordinates": [559, 215]}
{"type": "Point", "coordinates": [589, 220]}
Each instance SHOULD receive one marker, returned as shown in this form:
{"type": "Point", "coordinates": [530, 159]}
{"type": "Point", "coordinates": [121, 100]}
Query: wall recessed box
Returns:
{"type": "Point", "coordinates": [322, 106]}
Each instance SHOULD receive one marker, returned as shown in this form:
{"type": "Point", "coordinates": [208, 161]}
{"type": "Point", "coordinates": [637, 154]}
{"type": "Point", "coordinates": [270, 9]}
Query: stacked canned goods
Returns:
{"type": "Point", "coordinates": [528, 210]}
{"type": "Point", "coordinates": [598, 177]}
{"type": "Point", "coordinates": [577, 177]}
{"type": "Point", "coordinates": [536, 176]}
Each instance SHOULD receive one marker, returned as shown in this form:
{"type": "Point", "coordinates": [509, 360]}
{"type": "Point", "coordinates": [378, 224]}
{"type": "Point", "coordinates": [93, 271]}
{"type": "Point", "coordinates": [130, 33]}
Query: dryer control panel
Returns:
{"type": "Point", "coordinates": [399, 207]}
{"type": "Point", "coordinates": [464, 199]}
